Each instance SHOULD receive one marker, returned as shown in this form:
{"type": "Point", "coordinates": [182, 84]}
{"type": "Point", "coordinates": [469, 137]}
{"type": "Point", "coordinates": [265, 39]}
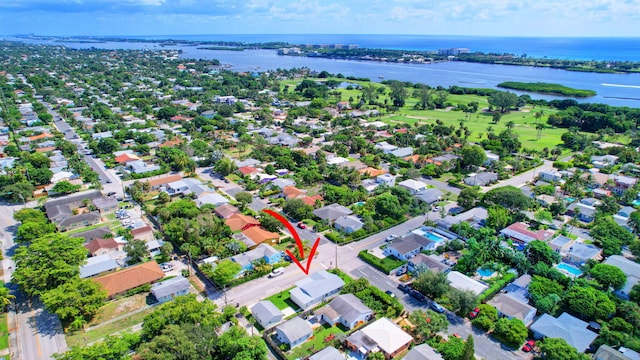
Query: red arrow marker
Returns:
{"type": "Point", "coordinates": [296, 237]}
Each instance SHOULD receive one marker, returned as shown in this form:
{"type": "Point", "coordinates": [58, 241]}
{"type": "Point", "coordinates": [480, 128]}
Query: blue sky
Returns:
{"type": "Point", "coordinates": [437, 17]}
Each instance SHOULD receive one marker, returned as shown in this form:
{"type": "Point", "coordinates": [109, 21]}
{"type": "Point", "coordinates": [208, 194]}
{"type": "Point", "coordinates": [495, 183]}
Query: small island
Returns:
{"type": "Point", "coordinates": [547, 88]}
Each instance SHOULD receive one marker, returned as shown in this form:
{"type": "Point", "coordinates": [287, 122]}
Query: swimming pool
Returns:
{"type": "Point", "coordinates": [572, 270]}
{"type": "Point", "coordinates": [485, 272]}
{"type": "Point", "coordinates": [434, 237]}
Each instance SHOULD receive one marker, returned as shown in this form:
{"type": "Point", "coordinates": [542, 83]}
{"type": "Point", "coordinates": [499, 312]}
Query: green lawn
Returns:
{"type": "Point", "coordinates": [83, 338]}
{"type": "Point", "coordinates": [282, 300]}
{"type": "Point", "coordinates": [316, 342]}
{"type": "Point", "coordinates": [110, 224]}
{"type": "Point", "coordinates": [4, 332]}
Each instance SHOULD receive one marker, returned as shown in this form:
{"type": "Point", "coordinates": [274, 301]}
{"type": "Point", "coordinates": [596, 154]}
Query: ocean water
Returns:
{"type": "Point", "coordinates": [584, 48]}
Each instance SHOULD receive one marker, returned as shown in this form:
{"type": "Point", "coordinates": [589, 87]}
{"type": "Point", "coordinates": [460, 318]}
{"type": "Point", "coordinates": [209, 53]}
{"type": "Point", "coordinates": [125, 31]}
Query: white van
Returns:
{"type": "Point", "coordinates": [276, 272]}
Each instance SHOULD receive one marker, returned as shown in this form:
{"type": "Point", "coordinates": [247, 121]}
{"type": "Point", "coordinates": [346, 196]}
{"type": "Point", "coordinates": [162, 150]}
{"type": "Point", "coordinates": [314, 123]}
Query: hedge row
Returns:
{"type": "Point", "coordinates": [385, 265]}
{"type": "Point", "coordinates": [497, 286]}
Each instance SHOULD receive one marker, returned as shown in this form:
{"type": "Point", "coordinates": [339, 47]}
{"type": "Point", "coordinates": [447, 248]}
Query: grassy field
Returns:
{"type": "Point", "coordinates": [110, 311]}
{"type": "Point", "coordinates": [282, 300]}
{"type": "Point", "coordinates": [4, 332]}
{"type": "Point", "coordinates": [316, 342]}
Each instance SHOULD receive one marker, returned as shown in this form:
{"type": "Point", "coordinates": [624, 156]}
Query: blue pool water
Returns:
{"type": "Point", "coordinates": [485, 272]}
{"type": "Point", "coordinates": [570, 199]}
{"type": "Point", "coordinates": [570, 269]}
{"type": "Point", "coordinates": [433, 237]}
{"type": "Point", "coordinates": [635, 202]}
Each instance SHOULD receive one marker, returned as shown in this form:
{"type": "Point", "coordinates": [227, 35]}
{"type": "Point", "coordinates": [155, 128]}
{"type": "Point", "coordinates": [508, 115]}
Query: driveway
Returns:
{"type": "Point", "coordinates": [521, 179]}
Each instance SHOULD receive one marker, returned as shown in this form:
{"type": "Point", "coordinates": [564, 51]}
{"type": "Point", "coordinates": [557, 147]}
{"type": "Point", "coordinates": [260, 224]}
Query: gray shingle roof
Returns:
{"type": "Point", "coordinates": [171, 286]}
{"type": "Point", "coordinates": [422, 352]}
{"type": "Point", "coordinates": [96, 265]}
{"type": "Point", "coordinates": [319, 283]}
{"type": "Point", "coordinates": [409, 243]}
{"type": "Point", "coordinates": [295, 329]}
{"type": "Point", "coordinates": [328, 353]}
{"type": "Point", "coordinates": [349, 307]}
{"type": "Point", "coordinates": [331, 212]}
{"type": "Point", "coordinates": [74, 219]}
{"type": "Point", "coordinates": [567, 327]}
{"type": "Point", "coordinates": [265, 311]}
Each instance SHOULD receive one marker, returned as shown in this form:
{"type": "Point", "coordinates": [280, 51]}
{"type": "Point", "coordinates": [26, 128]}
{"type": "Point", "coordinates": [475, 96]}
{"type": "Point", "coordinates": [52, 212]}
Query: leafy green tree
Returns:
{"type": "Point", "coordinates": [30, 215]}
{"type": "Point", "coordinates": [428, 323]}
{"type": "Point", "coordinates": [29, 231]}
{"type": "Point", "coordinates": [225, 271]}
{"type": "Point", "coordinates": [176, 342]}
{"type": "Point", "coordinates": [462, 301]}
{"type": "Point", "coordinates": [235, 344]}
{"type": "Point", "coordinates": [539, 251]}
{"type": "Point", "coordinates": [511, 331]}
{"type": "Point", "coordinates": [5, 296]}
{"type": "Point", "coordinates": [107, 145]}
{"type": "Point", "coordinates": [468, 349]}
{"type": "Point", "coordinates": [473, 156]}
{"type": "Point", "coordinates": [509, 197]}
{"type": "Point", "coordinates": [65, 187]}
{"type": "Point", "coordinates": [498, 217]}
{"type": "Point", "coordinates": [388, 205]}
{"type": "Point", "coordinates": [182, 310]}
{"type": "Point", "coordinates": [589, 302]}
{"type": "Point", "coordinates": [164, 197]}
{"type": "Point", "coordinates": [608, 276]}
{"type": "Point", "coordinates": [452, 349]}
{"type": "Point", "coordinates": [78, 297]}
{"type": "Point", "coordinates": [270, 223]}
{"type": "Point", "coordinates": [398, 93]}
{"type": "Point", "coordinates": [610, 236]}
{"type": "Point", "coordinates": [19, 192]}
{"type": "Point", "coordinates": [297, 209]}
{"type": "Point", "coordinates": [558, 349]}
{"type": "Point", "coordinates": [634, 221]}
{"type": "Point", "coordinates": [225, 166]}
{"type": "Point", "coordinates": [40, 176]}
{"type": "Point", "coordinates": [136, 251]}
{"type": "Point", "coordinates": [432, 284]}
{"type": "Point", "coordinates": [469, 197]}
{"type": "Point", "coordinates": [166, 250]}
{"type": "Point", "coordinates": [634, 294]}
{"type": "Point", "coordinates": [503, 100]}
{"type": "Point", "coordinates": [48, 262]}
{"type": "Point", "coordinates": [112, 347]}
{"type": "Point", "coordinates": [487, 317]}
{"type": "Point", "coordinates": [244, 198]}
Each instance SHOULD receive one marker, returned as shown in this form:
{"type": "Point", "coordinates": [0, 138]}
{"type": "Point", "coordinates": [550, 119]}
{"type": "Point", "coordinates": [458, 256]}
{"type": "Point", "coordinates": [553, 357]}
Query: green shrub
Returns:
{"type": "Point", "coordinates": [385, 265]}
{"type": "Point", "coordinates": [497, 286]}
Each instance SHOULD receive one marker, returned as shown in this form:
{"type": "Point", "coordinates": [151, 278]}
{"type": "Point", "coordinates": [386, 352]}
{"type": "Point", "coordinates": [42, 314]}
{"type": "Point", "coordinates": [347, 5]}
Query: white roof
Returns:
{"type": "Point", "coordinates": [461, 281]}
{"type": "Point", "coordinates": [412, 184]}
{"type": "Point", "coordinates": [387, 335]}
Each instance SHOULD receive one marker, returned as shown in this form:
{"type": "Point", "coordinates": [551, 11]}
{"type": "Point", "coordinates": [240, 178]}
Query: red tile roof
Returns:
{"type": "Point", "coordinates": [241, 222]}
{"type": "Point", "coordinates": [129, 278]}
{"type": "Point", "coordinates": [125, 158]}
{"type": "Point", "coordinates": [246, 170]}
{"type": "Point", "coordinates": [292, 192]}
{"type": "Point", "coordinates": [225, 211]}
{"type": "Point", "coordinates": [164, 180]}
{"type": "Point", "coordinates": [311, 200]}
{"type": "Point", "coordinates": [259, 235]}
{"type": "Point", "coordinates": [141, 230]}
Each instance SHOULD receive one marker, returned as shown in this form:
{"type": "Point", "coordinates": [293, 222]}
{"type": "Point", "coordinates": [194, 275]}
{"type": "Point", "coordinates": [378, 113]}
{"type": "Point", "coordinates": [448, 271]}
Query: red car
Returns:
{"type": "Point", "coordinates": [457, 335]}
{"type": "Point", "coordinates": [302, 225]}
{"type": "Point", "coordinates": [528, 346]}
{"type": "Point", "coordinates": [474, 313]}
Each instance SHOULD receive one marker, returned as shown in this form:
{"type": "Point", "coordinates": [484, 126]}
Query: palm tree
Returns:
{"type": "Point", "coordinates": [510, 125]}
{"type": "Point", "coordinates": [539, 127]}
{"type": "Point", "coordinates": [5, 297]}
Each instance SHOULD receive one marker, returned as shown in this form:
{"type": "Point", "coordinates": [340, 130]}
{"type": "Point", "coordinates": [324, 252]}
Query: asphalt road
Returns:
{"type": "Point", "coordinates": [521, 179]}
{"type": "Point", "coordinates": [34, 333]}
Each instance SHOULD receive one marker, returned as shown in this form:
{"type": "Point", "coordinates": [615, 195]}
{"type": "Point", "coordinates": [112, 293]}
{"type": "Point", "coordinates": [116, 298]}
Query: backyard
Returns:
{"type": "Point", "coordinates": [321, 336]}
{"type": "Point", "coordinates": [282, 300]}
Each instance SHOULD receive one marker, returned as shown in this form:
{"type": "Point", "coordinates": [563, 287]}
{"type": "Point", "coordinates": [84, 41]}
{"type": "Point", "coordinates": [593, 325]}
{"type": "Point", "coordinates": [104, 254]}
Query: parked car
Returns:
{"type": "Point", "coordinates": [456, 335]}
{"type": "Point", "coordinates": [418, 295]}
{"type": "Point", "coordinates": [436, 307]}
{"type": "Point", "coordinates": [391, 237]}
{"type": "Point", "coordinates": [401, 271]}
{"type": "Point", "coordinates": [404, 288]}
{"type": "Point", "coordinates": [302, 225]}
{"type": "Point", "coordinates": [529, 346]}
{"type": "Point", "coordinates": [474, 313]}
{"type": "Point", "coordinates": [390, 293]}
{"type": "Point", "coordinates": [166, 266]}
{"type": "Point", "coordinates": [276, 272]}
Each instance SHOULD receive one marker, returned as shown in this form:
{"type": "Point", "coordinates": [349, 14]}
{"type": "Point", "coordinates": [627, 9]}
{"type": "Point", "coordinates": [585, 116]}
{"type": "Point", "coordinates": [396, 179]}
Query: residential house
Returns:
{"type": "Point", "coordinates": [78, 221]}
{"type": "Point", "coordinates": [430, 196]}
{"type": "Point", "coordinates": [491, 158]}
{"type": "Point", "coordinates": [266, 314]}
{"type": "Point", "coordinates": [476, 217]}
{"type": "Point", "coordinates": [97, 247]}
{"type": "Point", "coordinates": [584, 212]}
{"type": "Point", "coordinates": [520, 233]}
{"type": "Point", "coordinates": [413, 186]}
{"type": "Point", "coordinates": [119, 282]}
{"type": "Point", "coordinates": [154, 247]}
{"type": "Point", "coordinates": [546, 200]}
{"type": "Point", "coordinates": [386, 179]}
{"type": "Point", "coordinates": [282, 183]}
{"type": "Point", "coordinates": [238, 222]}
{"type": "Point", "coordinates": [573, 330]}
{"type": "Point", "coordinates": [97, 265]}
{"type": "Point", "coordinates": [432, 262]}
{"type": "Point", "coordinates": [623, 183]}
{"type": "Point", "coordinates": [212, 199]}
{"type": "Point", "coordinates": [315, 288]}
{"type": "Point", "coordinates": [595, 179]}
{"type": "Point", "coordinates": [312, 200]}
{"type": "Point", "coordinates": [177, 187]}
{"type": "Point", "coordinates": [626, 211]}
{"type": "Point", "coordinates": [141, 167]}
{"type": "Point", "coordinates": [167, 290]}
{"type": "Point", "coordinates": [345, 309]}
{"type": "Point", "coordinates": [461, 281]}
{"type": "Point", "coordinates": [106, 205]}
{"type": "Point", "coordinates": [92, 234]}
{"type": "Point", "coordinates": [575, 252]}
{"type": "Point", "coordinates": [328, 353]}
{"type": "Point", "coordinates": [225, 211]}
{"type": "Point", "coordinates": [255, 235]}
{"type": "Point", "coordinates": [261, 252]}
{"type": "Point", "coordinates": [606, 352]}
{"type": "Point", "coordinates": [408, 246]}
{"type": "Point", "coordinates": [550, 175]}
{"type": "Point", "coordinates": [481, 179]}
{"type": "Point", "coordinates": [348, 224]}
{"type": "Point", "coordinates": [385, 147]}
{"type": "Point", "coordinates": [126, 157]}
{"type": "Point", "coordinates": [422, 352]}
{"type": "Point", "coordinates": [332, 212]}
{"type": "Point", "coordinates": [160, 182]}
{"type": "Point", "coordinates": [144, 233]}
{"type": "Point", "coordinates": [294, 332]}
{"type": "Point", "coordinates": [292, 192]}
{"type": "Point", "coordinates": [514, 307]}
{"type": "Point", "coordinates": [629, 268]}
{"type": "Point", "coordinates": [402, 152]}
{"type": "Point", "coordinates": [382, 335]}
{"type": "Point", "coordinates": [63, 207]}
{"type": "Point", "coordinates": [600, 162]}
